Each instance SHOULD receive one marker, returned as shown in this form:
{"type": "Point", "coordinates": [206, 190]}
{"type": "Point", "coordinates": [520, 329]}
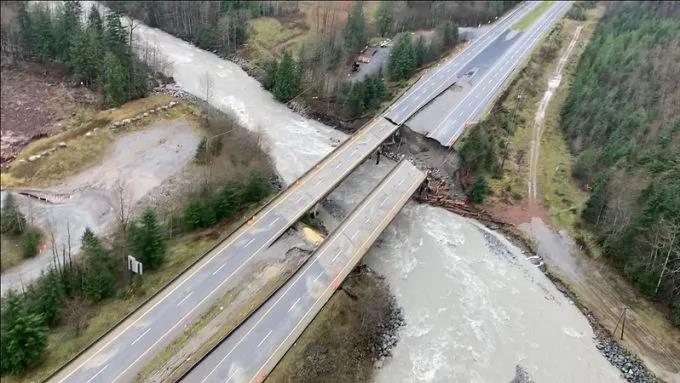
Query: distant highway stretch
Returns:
{"type": "Point", "coordinates": [122, 353]}
{"type": "Point", "coordinates": [485, 89]}
{"type": "Point", "coordinates": [253, 349]}
{"type": "Point", "coordinates": [439, 79]}
{"type": "Point", "coordinates": [492, 58]}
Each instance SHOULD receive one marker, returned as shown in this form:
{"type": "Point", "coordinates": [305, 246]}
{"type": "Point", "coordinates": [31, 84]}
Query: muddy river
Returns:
{"type": "Point", "coordinates": [476, 308]}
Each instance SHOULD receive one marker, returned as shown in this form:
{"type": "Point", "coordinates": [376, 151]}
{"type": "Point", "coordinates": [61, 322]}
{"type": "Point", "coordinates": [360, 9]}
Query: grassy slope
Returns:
{"type": "Point", "coordinates": [530, 17]}
{"type": "Point", "coordinates": [81, 151]}
{"type": "Point", "coordinates": [557, 190]}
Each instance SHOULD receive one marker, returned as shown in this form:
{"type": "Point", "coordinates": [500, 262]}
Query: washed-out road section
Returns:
{"type": "Point", "coordinates": [252, 351]}
{"type": "Point", "coordinates": [122, 353]}
{"type": "Point", "coordinates": [485, 85]}
{"type": "Point", "coordinates": [437, 80]}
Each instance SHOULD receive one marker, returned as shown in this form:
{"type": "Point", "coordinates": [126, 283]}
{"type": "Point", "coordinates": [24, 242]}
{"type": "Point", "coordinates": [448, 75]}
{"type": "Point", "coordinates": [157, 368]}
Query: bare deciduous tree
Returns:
{"type": "Point", "coordinates": [122, 201]}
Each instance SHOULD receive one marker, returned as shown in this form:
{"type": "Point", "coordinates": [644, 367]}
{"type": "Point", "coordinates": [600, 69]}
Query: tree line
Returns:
{"type": "Point", "coordinates": [61, 294]}
{"type": "Point", "coordinates": [97, 52]}
{"type": "Point", "coordinates": [217, 26]}
{"type": "Point", "coordinates": [13, 223]}
{"type": "Point", "coordinates": [621, 124]}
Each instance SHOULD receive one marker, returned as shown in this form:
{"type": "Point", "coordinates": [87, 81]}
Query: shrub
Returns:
{"type": "Point", "coordinates": [12, 221]}
{"type": "Point", "coordinates": [30, 242]}
{"type": "Point", "coordinates": [478, 190]}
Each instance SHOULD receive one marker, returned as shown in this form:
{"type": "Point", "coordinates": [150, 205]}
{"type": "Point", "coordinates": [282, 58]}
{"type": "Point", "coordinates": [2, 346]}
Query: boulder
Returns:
{"type": "Point", "coordinates": [33, 158]}
{"type": "Point", "coordinates": [88, 134]}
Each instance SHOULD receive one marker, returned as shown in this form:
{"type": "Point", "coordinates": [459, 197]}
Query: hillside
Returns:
{"type": "Point", "coordinates": [622, 122]}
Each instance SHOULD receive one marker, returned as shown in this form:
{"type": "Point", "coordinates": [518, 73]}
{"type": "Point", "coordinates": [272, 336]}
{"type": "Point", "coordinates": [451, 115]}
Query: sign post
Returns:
{"type": "Point", "coordinates": [134, 265]}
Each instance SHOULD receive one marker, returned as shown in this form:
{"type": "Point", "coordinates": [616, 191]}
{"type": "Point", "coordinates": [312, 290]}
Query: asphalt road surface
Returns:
{"type": "Point", "coordinates": [441, 78]}
{"type": "Point", "coordinates": [253, 349]}
{"type": "Point", "coordinates": [485, 86]}
{"type": "Point", "coordinates": [121, 354]}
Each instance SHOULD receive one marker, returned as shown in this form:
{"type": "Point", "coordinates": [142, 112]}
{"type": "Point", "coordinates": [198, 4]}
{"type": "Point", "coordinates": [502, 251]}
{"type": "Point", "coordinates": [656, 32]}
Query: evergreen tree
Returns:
{"type": "Point", "coordinates": [355, 31]}
{"type": "Point", "coordinates": [86, 56]}
{"type": "Point", "coordinates": [402, 61]}
{"type": "Point", "coordinates": [355, 100]}
{"type": "Point", "coordinates": [420, 51]}
{"type": "Point", "coordinates": [271, 68]}
{"type": "Point", "coordinates": [66, 27]}
{"type": "Point", "coordinates": [232, 198]}
{"type": "Point", "coordinates": [12, 220]}
{"type": "Point", "coordinates": [114, 33]}
{"type": "Point", "coordinates": [23, 335]}
{"type": "Point", "coordinates": [45, 296]}
{"type": "Point", "coordinates": [384, 17]}
{"type": "Point", "coordinates": [94, 20]}
{"type": "Point", "coordinates": [99, 279]}
{"type": "Point", "coordinates": [25, 28]}
{"type": "Point", "coordinates": [147, 240]}
{"type": "Point", "coordinates": [449, 34]}
{"type": "Point", "coordinates": [478, 190]}
{"type": "Point", "coordinates": [42, 39]}
{"type": "Point", "coordinates": [287, 79]}
{"type": "Point", "coordinates": [30, 242]}
{"type": "Point", "coordinates": [257, 189]}
{"type": "Point", "coordinates": [114, 81]}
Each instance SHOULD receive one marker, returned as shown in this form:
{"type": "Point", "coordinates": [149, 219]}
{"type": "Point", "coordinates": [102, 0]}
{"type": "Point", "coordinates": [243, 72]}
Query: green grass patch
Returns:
{"type": "Point", "coordinates": [528, 19]}
{"type": "Point", "coordinates": [10, 251]}
{"type": "Point", "coordinates": [269, 38]}
{"type": "Point", "coordinates": [82, 151]}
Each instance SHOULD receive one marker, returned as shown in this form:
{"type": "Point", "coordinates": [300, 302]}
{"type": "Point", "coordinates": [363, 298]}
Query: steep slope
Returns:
{"type": "Point", "coordinates": [622, 120]}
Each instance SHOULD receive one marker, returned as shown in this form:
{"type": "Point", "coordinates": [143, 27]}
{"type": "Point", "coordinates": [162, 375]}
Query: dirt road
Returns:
{"type": "Point", "coordinates": [138, 162]}
{"type": "Point", "coordinates": [537, 127]}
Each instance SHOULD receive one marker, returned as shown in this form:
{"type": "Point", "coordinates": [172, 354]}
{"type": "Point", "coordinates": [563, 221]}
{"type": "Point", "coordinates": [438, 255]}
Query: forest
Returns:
{"type": "Point", "coordinates": [97, 53]}
{"type": "Point", "coordinates": [314, 73]}
{"type": "Point", "coordinates": [622, 121]}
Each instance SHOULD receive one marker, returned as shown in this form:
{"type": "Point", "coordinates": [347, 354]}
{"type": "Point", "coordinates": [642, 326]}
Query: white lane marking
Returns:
{"type": "Point", "coordinates": [263, 339]}
{"type": "Point", "coordinates": [478, 44]}
{"type": "Point", "coordinates": [218, 269]}
{"type": "Point", "coordinates": [274, 221]}
{"type": "Point", "coordinates": [283, 198]}
{"type": "Point", "coordinates": [349, 264]}
{"type": "Point", "coordinates": [232, 375]}
{"type": "Point", "coordinates": [336, 256]}
{"type": "Point", "coordinates": [185, 298]}
{"type": "Point", "coordinates": [318, 276]}
{"type": "Point", "coordinates": [530, 39]}
{"type": "Point", "coordinates": [97, 374]}
{"type": "Point", "coordinates": [319, 254]}
{"type": "Point", "coordinates": [249, 242]}
{"type": "Point", "coordinates": [401, 182]}
{"type": "Point", "coordinates": [294, 303]}
{"type": "Point", "coordinates": [535, 35]}
{"type": "Point", "coordinates": [355, 234]}
{"type": "Point", "coordinates": [140, 337]}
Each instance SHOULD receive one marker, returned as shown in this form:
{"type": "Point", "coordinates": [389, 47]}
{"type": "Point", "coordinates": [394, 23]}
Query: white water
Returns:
{"type": "Point", "coordinates": [295, 143]}
{"type": "Point", "coordinates": [472, 314]}
{"type": "Point", "coordinates": [476, 308]}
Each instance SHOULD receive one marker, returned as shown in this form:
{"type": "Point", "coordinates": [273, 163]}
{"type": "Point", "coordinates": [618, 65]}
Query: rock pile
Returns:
{"type": "Point", "coordinates": [152, 111]}
{"type": "Point", "coordinates": [630, 366]}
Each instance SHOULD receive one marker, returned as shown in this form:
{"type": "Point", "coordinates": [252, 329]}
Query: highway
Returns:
{"type": "Point", "coordinates": [448, 127]}
{"type": "Point", "coordinates": [253, 349]}
{"type": "Point", "coordinates": [437, 80]}
{"type": "Point", "coordinates": [123, 352]}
